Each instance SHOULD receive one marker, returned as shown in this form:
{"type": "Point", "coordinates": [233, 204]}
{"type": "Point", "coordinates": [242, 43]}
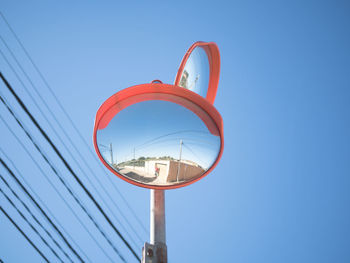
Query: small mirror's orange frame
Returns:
{"type": "Point", "coordinates": [158, 91]}
{"type": "Point", "coordinates": [212, 51]}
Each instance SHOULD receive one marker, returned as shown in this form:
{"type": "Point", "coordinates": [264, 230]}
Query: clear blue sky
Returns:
{"type": "Point", "coordinates": [281, 191]}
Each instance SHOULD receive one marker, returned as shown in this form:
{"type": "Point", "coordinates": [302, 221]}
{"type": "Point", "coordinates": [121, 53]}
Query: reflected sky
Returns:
{"type": "Point", "coordinates": [195, 75]}
{"type": "Point", "coordinates": [158, 130]}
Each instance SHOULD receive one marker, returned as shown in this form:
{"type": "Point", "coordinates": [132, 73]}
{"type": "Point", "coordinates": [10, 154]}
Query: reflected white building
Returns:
{"type": "Point", "coordinates": [167, 171]}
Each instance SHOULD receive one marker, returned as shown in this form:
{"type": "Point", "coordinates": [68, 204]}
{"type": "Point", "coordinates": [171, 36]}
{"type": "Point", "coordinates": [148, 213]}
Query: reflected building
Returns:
{"type": "Point", "coordinates": [162, 172]}
{"type": "Point", "coordinates": [184, 80]}
{"type": "Point", "coordinates": [188, 83]}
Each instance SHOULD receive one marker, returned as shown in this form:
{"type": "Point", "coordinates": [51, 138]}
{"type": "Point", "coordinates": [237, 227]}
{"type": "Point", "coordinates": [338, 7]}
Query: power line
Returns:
{"type": "Point", "coordinates": [34, 217]}
{"type": "Point", "coordinates": [69, 167]}
{"type": "Point", "coordinates": [26, 237]}
{"type": "Point", "coordinates": [31, 226]}
{"type": "Point", "coordinates": [38, 198]}
{"type": "Point", "coordinates": [56, 190]}
{"type": "Point", "coordinates": [68, 137]}
{"type": "Point", "coordinates": [40, 209]}
{"type": "Point", "coordinates": [70, 120]}
{"type": "Point", "coordinates": [195, 154]}
{"type": "Point", "coordinates": [168, 134]}
{"type": "Point", "coordinates": [68, 151]}
{"type": "Point", "coordinates": [68, 188]}
{"type": "Point", "coordinates": [155, 140]}
{"type": "Point", "coordinates": [192, 140]}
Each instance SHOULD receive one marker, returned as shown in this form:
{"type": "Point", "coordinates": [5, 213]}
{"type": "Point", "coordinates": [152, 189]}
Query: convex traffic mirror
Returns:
{"type": "Point", "coordinates": [158, 136]}
{"type": "Point", "coordinates": [163, 136]}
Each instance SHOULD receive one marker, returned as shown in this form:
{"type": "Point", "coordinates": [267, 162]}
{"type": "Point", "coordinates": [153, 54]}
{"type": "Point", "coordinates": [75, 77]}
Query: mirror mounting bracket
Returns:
{"type": "Point", "coordinates": [156, 81]}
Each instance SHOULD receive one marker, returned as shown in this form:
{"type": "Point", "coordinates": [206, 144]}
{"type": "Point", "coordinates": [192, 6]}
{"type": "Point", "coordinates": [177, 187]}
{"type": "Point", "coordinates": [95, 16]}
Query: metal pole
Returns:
{"type": "Point", "coordinates": [156, 251]}
{"type": "Point", "coordinates": [111, 149]}
{"type": "Point", "coordinates": [134, 158]}
{"type": "Point", "coordinates": [178, 166]}
{"type": "Point", "coordinates": [157, 227]}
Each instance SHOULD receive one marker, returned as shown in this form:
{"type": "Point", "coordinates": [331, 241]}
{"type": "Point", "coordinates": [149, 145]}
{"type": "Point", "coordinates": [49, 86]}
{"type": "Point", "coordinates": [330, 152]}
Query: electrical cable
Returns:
{"type": "Point", "coordinates": [26, 237]}
{"type": "Point", "coordinates": [31, 226]}
{"type": "Point", "coordinates": [68, 188]}
{"type": "Point", "coordinates": [23, 188]}
{"type": "Point", "coordinates": [59, 194]}
{"type": "Point", "coordinates": [192, 140]}
{"type": "Point", "coordinates": [34, 217]}
{"type": "Point", "coordinates": [69, 167]}
{"type": "Point", "coordinates": [194, 153]}
{"type": "Point", "coordinates": [70, 120]}
{"type": "Point", "coordinates": [65, 146]}
{"type": "Point", "coordinates": [171, 133]}
{"type": "Point", "coordinates": [38, 206]}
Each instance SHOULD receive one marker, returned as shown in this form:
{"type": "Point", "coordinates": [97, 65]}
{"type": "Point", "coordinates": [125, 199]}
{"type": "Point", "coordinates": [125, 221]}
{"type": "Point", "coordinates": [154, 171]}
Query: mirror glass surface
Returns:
{"type": "Point", "coordinates": [195, 75]}
{"type": "Point", "coordinates": [158, 143]}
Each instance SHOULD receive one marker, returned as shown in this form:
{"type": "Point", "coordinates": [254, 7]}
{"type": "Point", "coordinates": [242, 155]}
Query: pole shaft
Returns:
{"type": "Point", "coordinates": [178, 165]}
{"type": "Point", "coordinates": [157, 228]}
{"type": "Point", "coordinates": [111, 150]}
{"type": "Point", "coordinates": [156, 251]}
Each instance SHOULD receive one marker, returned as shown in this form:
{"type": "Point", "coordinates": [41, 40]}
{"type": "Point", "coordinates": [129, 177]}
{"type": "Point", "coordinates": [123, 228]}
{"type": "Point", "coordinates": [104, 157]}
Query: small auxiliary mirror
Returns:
{"type": "Point", "coordinates": [199, 70]}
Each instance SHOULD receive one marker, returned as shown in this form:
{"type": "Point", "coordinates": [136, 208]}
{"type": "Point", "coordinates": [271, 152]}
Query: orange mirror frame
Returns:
{"type": "Point", "coordinates": [159, 91]}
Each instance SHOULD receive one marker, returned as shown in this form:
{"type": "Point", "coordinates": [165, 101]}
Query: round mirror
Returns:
{"type": "Point", "coordinates": [157, 140]}
{"type": "Point", "coordinates": [195, 75]}
{"type": "Point", "coordinates": [199, 70]}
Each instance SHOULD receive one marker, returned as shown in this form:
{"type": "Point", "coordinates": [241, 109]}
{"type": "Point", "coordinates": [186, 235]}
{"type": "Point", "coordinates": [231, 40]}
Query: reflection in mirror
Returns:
{"type": "Point", "coordinates": [158, 143]}
{"type": "Point", "coordinates": [195, 75]}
